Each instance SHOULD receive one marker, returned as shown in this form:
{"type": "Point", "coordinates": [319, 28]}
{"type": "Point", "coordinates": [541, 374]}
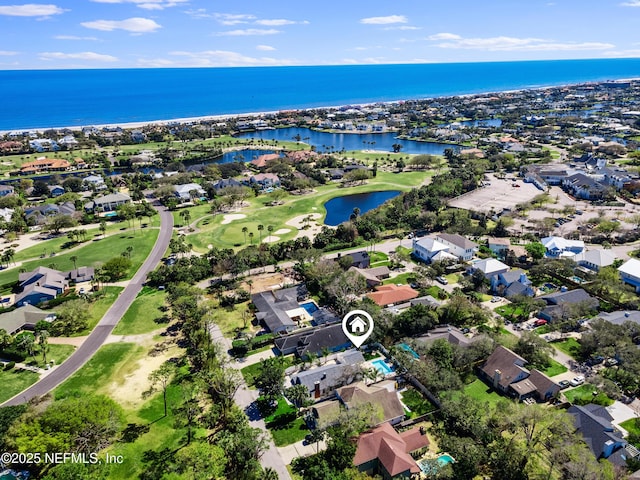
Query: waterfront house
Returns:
{"type": "Point", "coordinates": [94, 181]}
{"type": "Point", "coordinates": [6, 190]}
{"type": "Point", "coordinates": [108, 203]}
{"type": "Point", "coordinates": [265, 180]}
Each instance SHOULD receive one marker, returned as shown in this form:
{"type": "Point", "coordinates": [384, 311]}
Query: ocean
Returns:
{"type": "Point", "coordinates": [54, 98]}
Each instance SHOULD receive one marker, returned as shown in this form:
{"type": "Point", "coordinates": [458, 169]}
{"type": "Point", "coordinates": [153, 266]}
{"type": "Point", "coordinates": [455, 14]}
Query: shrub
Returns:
{"type": "Point", "coordinates": [9, 365]}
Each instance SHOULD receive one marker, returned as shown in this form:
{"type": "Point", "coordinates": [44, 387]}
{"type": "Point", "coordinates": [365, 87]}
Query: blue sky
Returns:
{"type": "Point", "coordinates": [198, 33]}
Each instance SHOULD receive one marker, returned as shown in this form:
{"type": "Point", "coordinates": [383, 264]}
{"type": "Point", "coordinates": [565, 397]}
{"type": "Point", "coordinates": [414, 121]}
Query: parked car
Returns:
{"type": "Point", "coordinates": [540, 322]}
{"type": "Point", "coordinates": [564, 384]}
{"type": "Point", "coordinates": [575, 381]}
{"type": "Point", "coordinates": [442, 280]}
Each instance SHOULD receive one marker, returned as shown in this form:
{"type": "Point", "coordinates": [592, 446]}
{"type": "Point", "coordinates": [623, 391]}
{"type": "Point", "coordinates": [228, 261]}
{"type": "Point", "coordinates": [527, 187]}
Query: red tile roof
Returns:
{"type": "Point", "coordinates": [385, 444]}
{"type": "Point", "coordinates": [388, 294]}
{"type": "Point", "coordinates": [262, 160]}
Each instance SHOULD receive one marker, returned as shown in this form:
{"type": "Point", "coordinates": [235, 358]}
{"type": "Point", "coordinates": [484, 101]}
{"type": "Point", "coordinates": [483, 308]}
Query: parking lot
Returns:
{"type": "Point", "coordinates": [496, 194]}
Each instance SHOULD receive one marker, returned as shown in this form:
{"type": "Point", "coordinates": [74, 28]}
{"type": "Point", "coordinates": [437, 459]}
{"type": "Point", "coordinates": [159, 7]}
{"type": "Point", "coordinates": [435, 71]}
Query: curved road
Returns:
{"type": "Point", "coordinates": [108, 322]}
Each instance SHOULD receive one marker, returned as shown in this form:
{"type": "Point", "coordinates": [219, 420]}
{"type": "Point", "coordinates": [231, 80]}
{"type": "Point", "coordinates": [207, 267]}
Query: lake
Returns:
{"type": "Point", "coordinates": [339, 209]}
{"type": "Point", "coordinates": [336, 142]}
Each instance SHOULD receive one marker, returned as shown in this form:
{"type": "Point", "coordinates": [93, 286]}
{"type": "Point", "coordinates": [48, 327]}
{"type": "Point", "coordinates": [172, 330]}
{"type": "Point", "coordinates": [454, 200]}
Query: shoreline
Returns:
{"type": "Point", "coordinates": [222, 117]}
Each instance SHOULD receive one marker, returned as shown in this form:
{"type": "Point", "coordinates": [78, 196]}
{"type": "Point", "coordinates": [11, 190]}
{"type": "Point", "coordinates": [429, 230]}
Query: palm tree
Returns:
{"type": "Point", "coordinates": [43, 336]}
{"type": "Point", "coordinates": [186, 216]}
{"type": "Point", "coordinates": [74, 259]}
{"type": "Point", "coordinates": [260, 229]}
{"type": "Point", "coordinates": [103, 227]}
{"type": "Point", "coordinates": [269, 474]}
{"type": "Point", "coordinates": [10, 252]}
{"type": "Point", "coordinates": [270, 229]}
{"type": "Point", "coordinates": [251, 237]}
{"type": "Point", "coordinates": [244, 231]}
{"type": "Point", "coordinates": [249, 283]}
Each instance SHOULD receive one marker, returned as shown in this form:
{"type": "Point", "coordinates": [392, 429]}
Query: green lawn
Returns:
{"type": "Point", "coordinates": [14, 381]}
{"type": "Point", "coordinates": [481, 391]}
{"type": "Point", "coordinates": [632, 426]}
{"type": "Point", "coordinates": [416, 403]}
{"type": "Point", "coordinates": [554, 369]}
{"type": "Point", "coordinates": [58, 353]}
{"type": "Point", "coordinates": [94, 253]}
{"type": "Point", "coordinates": [285, 425]}
{"type": "Point", "coordinates": [96, 374]}
{"type": "Point", "coordinates": [570, 346]}
{"type": "Point", "coordinates": [212, 231]}
{"type": "Point", "coordinates": [509, 311]}
{"type": "Point", "coordinates": [144, 315]}
{"type": "Point", "coordinates": [230, 319]}
{"type": "Point", "coordinates": [99, 307]}
{"type": "Point", "coordinates": [377, 257]}
{"type": "Point", "coordinates": [584, 394]}
{"type": "Point", "coordinates": [403, 278]}
{"type": "Point", "coordinates": [251, 371]}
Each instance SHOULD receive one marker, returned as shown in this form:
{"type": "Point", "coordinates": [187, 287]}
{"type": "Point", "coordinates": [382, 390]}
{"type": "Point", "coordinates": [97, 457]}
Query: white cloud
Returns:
{"type": "Point", "coordinates": [31, 10]}
{"type": "Point", "coordinates": [402, 27]}
{"type": "Point", "coordinates": [75, 37]}
{"type": "Point", "coordinates": [265, 48]}
{"type": "Point", "coordinates": [632, 3]}
{"type": "Point", "coordinates": [98, 57]}
{"type": "Point", "coordinates": [233, 19]}
{"type": "Point", "coordinates": [623, 53]}
{"type": "Point", "coordinates": [503, 43]}
{"type": "Point", "coordinates": [7, 53]}
{"type": "Point", "coordinates": [276, 22]}
{"type": "Point", "coordinates": [224, 58]}
{"type": "Point", "coordinates": [248, 32]}
{"type": "Point", "coordinates": [384, 20]}
{"type": "Point", "coordinates": [147, 4]}
{"type": "Point", "coordinates": [133, 25]}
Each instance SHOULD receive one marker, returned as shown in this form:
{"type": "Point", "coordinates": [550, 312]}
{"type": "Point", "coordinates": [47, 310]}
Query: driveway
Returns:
{"type": "Point", "coordinates": [108, 322]}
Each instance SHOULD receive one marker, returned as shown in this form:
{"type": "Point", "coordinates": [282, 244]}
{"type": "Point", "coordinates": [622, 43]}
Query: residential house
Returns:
{"type": "Point", "coordinates": [385, 452]}
{"type": "Point", "coordinates": [11, 146]}
{"type": "Point", "coordinates": [24, 318]}
{"type": "Point", "coordinates": [595, 259]}
{"type": "Point", "coordinates": [458, 245]}
{"type": "Point", "coordinates": [505, 371]}
{"type": "Point", "coordinates": [6, 214]}
{"type": "Point", "coordinates": [56, 190]}
{"type": "Point", "coordinates": [489, 267]}
{"type": "Point", "coordinates": [499, 246]}
{"type": "Point", "coordinates": [451, 334]}
{"type": "Point", "coordinates": [40, 285]}
{"type": "Point", "coordinates": [279, 310]}
{"type": "Point", "coordinates": [262, 160]}
{"type": "Point", "coordinates": [265, 180]}
{"type": "Point", "coordinates": [382, 396]}
{"type": "Point", "coordinates": [630, 273]}
{"type": "Point", "coordinates": [95, 182]}
{"type": "Point", "coordinates": [43, 145]}
{"type": "Point", "coordinates": [559, 303]}
{"type": "Point", "coordinates": [138, 136]}
{"type": "Point", "coordinates": [68, 141]}
{"type": "Point", "coordinates": [373, 276]}
{"type": "Point", "coordinates": [6, 190]}
{"type": "Point", "coordinates": [512, 283]}
{"type": "Point", "coordinates": [80, 275]}
{"type": "Point", "coordinates": [313, 341]}
{"type": "Point", "coordinates": [430, 250]}
{"type": "Point", "coordinates": [359, 260]}
{"type": "Point", "coordinates": [336, 174]}
{"type": "Point", "coordinates": [40, 214]}
{"type": "Point", "coordinates": [391, 294]}
{"type": "Point", "coordinates": [561, 247]}
{"type": "Point", "coordinates": [225, 183]}
{"type": "Point", "coordinates": [620, 317]}
{"type": "Point", "coordinates": [322, 381]}
{"type": "Point", "coordinates": [45, 165]}
{"type": "Point", "coordinates": [594, 423]}
{"type": "Point", "coordinates": [108, 203]}
{"type": "Point", "coordinates": [188, 191]}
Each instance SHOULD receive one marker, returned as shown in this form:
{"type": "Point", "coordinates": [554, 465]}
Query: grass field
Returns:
{"type": "Point", "coordinates": [285, 425]}
{"type": "Point", "coordinates": [144, 315]}
{"type": "Point", "coordinates": [416, 403]}
{"type": "Point", "coordinates": [554, 369]}
{"type": "Point", "coordinates": [229, 319]}
{"type": "Point", "coordinates": [99, 307]}
{"type": "Point", "coordinates": [585, 394]}
{"type": "Point", "coordinates": [211, 230]}
{"type": "Point", "coordinates": [94, 376]}
{"type": "Point", "coordinates": [481, 391]}
{"type": "Point", "coordinates": [14, 381]}
{"type": "Point", "coordinates": [570, 346]}
{"type": "Point", "coordinates": [94, 253]}
{"type": "Point", "coordinates": [632, 426]}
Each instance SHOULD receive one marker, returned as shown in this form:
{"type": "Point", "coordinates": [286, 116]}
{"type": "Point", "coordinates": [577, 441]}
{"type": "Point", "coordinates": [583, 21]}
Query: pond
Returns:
{"type": "Point", "coordinates": [339, 209]}
{"type": "Point", "coordinates": [336, 142]}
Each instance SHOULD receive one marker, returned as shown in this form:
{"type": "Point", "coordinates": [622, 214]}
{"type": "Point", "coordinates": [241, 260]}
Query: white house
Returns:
{"type": "Point", "coordinates": [595, 259]}
{"type": "Point", "coordinates": [188, 191]}
{"type": "Point", "coordinates": [490, 267]}
{"type": "Point", "coordinates": [561, 247]}
{"type": "Point", "coordinates": [430, 250]}
{"type": "Point", "coordinates": [95, 181]}
{"type": "Point", "coordinates": [630, 273]}
{"type": "Point", "coordinates": [459, 246]}
{"type": "Point", "coordinates": [499, 246]}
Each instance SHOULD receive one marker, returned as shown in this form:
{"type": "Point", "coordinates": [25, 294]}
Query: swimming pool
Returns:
{"type": "Point", "coordinates": [427, 466]}
{"type": "Point", "coordinates": [382, 366]}
{"type": "Point", "coordinates": [310, 307]}
{"type": "Point", "coordinates": [407, 348]}
{"type": "Point", "coordinates": [110, 214]}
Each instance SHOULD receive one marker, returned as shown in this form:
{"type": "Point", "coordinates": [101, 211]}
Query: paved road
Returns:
{"type": "Point", "coordinates": [246, 399]}
{"type": "Point", "coordinates": [110, 319]}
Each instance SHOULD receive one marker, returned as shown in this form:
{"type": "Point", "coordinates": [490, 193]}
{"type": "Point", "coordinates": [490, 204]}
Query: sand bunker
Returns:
{"type": "Point", "coordinates": [230, 217]}
{"type": "Point", "coordinates": [299, 222]}
{"type": "Point", "coordinates": [271, 239]}
{"type": "Point", "coordinates": [282, 231]}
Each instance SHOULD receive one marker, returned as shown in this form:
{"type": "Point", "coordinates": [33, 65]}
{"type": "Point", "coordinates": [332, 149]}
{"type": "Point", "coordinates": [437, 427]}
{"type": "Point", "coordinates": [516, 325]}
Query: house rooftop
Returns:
{"type": "Point", "coordinates": [457, 240]}
{"type": "Point", "coordinates": [392, 294]}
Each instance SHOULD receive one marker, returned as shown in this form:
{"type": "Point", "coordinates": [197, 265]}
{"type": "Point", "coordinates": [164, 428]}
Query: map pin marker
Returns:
{"type": "Point", "coordinates": [357, 325]}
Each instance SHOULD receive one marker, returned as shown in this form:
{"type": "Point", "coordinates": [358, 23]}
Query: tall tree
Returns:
{"type": "Point", "coordinates": [161, 378]}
